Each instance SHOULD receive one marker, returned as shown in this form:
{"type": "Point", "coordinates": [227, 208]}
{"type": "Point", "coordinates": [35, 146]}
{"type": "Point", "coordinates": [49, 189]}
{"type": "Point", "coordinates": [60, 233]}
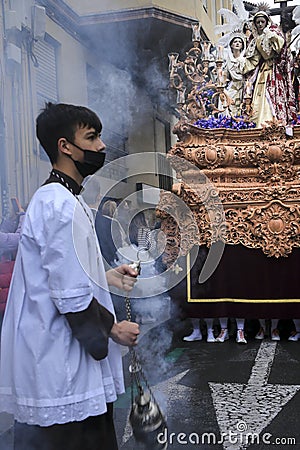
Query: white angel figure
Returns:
{"type": "Point", "coordinates": [296, 31]}
{"type": "Point", "coordinates": [235, 21]}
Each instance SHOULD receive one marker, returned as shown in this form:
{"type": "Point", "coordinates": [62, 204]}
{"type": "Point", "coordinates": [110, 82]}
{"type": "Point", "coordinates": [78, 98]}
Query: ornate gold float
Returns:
{"type": "Point", "coordinates": [253, 174]}
{"type": "Point", "coordinates": [241, 186]}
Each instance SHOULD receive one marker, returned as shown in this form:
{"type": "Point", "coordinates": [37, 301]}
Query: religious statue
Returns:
{"type": "Point", "coordinates": [234, 67]}
{"type": "Point", "coordinates": [268, 63]}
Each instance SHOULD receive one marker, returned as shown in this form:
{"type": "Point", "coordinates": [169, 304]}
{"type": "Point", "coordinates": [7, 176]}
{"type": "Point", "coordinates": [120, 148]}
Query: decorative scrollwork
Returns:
{"type": "Point", "coordinates": [252, 176]}
{"type": "Point", "coordinates": [274, 228]}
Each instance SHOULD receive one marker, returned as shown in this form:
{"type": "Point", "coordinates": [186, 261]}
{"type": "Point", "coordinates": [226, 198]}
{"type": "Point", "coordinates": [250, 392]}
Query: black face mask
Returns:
{"type": "Point", "coordinates": [92, 161]}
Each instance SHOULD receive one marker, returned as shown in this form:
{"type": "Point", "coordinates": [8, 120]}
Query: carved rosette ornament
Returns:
{"type": "Point", "coordinates": [240, 187]}
{"type": "Point", "coordinates": [274, 228]}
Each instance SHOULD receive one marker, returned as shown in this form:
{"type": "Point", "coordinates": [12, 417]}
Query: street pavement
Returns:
{"type": "Point", "coordinates": [218, 395]}
{"type": "Point", "coordinates": [213, 395]}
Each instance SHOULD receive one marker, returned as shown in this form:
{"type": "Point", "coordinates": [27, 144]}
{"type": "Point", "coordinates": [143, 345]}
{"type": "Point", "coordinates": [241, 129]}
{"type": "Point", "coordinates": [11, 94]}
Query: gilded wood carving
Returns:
{"type": "Point", "coordinates": [240, 187]}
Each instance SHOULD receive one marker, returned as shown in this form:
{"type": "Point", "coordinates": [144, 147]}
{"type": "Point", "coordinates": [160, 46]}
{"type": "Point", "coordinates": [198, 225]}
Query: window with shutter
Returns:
{"type": "Point", "coordinates": [46, 76]}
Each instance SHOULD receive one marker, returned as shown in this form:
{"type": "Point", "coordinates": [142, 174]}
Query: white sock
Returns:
{"type": "Point", "coordinates": [223, 322]}
{"type": "Point", "coordinates": [209, 323]}
{"type": "Point", "coordinates": [297, 325]}
{"type": "Point", "coordinates": [274, 323]}
{"type": "Point", "coordinates": [240, 324]}
{"type": "Point", "coordinates": [196, 324]}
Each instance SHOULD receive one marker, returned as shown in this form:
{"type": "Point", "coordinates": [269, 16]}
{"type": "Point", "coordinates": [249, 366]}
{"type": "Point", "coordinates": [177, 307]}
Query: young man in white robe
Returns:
{"type": "Point", "coordinates": [61, 366]}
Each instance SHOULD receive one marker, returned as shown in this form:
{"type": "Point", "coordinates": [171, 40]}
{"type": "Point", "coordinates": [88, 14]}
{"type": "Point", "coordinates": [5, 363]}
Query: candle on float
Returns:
{"type": "Point", "coordinates": [196, 31]}
{"type": "Point", "coordinates": [173, 57]}
{"type": "Point", "coordinates": [248, 87]}
{"type": "Point", "coordinates": [220, 52]}
{"type": "Point", "coordinates": [181, 96]}
{"type": "Point", "coordinates": [206, 48]}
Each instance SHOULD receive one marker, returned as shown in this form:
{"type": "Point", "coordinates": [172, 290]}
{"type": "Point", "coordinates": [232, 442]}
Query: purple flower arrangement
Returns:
{"type": "Point", "coordinates": [296, 121]}
{"type": "Point", "coordinates": [204, 98]}
{"type": "Point", "coordinates": [233, 123]}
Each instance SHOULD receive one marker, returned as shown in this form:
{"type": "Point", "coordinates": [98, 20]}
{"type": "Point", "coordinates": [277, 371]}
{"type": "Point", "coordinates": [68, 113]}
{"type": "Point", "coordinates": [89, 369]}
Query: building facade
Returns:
{"type": "Point", "coordinates": [111, 56]}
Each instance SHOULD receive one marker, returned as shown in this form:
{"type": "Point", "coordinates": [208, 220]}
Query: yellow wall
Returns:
{"type": "Point", "coordinates": [184, 8]}
{"type": "Point", "coordinates": [191, 9]}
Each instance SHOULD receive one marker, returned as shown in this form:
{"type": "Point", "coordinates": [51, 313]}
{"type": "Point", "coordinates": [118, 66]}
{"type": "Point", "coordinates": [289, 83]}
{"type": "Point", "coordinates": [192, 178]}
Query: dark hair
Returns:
{"type": "Point", "coordinates": [62, 120]}
{"type": "Point", "coordinates": [239, 38]}
{"type": "Point", "coordinates": [109, 208]}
